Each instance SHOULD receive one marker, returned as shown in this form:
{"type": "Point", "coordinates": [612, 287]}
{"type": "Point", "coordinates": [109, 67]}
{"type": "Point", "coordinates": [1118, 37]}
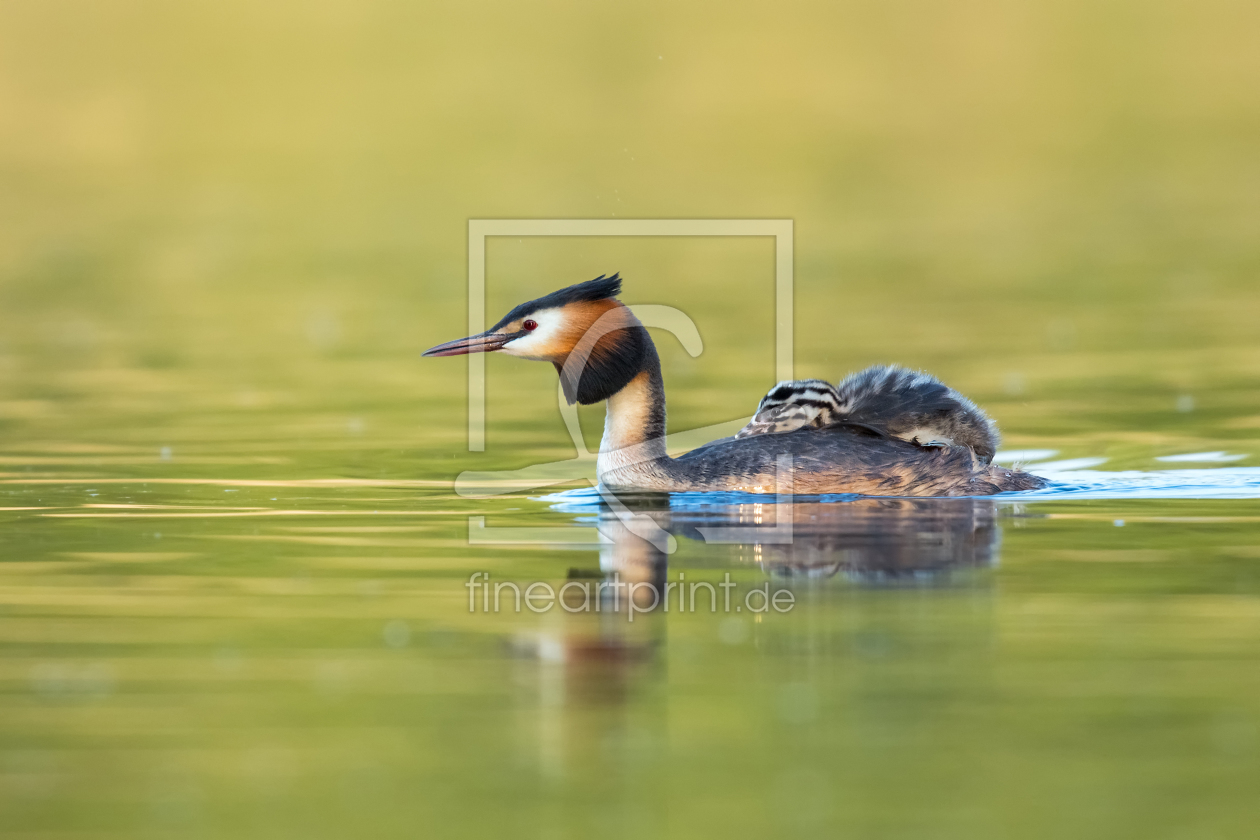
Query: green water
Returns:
{"type": "Point", "coordinates": [232, 562]}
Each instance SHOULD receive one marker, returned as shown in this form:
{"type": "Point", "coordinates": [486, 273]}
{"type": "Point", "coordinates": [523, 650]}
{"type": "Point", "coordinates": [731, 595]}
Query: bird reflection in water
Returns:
{"type": "Point", "coordinates": [603, 659]}
{"type": "Point", "coordinates": [864, 540]}
{"type": "Point", "coordinates": [919, 541]}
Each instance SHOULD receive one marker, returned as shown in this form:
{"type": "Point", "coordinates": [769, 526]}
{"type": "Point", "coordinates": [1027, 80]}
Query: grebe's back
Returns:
{"type": "Point", "coordinates": [836, 459]}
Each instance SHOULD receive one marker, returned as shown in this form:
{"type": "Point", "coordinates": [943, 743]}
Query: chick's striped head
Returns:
{"type": "Point", "coordinates": [792, 405]}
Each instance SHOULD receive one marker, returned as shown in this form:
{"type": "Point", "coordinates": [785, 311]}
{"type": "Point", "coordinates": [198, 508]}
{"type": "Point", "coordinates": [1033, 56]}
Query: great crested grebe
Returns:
{"type": "Point", "coordinates": [883, 432]}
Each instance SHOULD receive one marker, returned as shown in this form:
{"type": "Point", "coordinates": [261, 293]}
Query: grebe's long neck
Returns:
{"type": "Point", "coordinates": [634, 429]}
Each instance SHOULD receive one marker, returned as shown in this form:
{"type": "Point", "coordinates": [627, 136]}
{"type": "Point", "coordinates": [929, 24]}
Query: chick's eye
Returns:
{"type": "Point", "coordinates": [530, 324]}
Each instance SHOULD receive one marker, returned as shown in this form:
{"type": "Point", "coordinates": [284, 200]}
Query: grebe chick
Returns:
{"type": "Point", "coordinates": [602, 352]}
{"type": "Point", "coordinates": [886, 399]}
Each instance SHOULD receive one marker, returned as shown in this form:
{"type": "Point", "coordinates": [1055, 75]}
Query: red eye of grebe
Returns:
{"type": "Point", "coordinates": [530, 324]}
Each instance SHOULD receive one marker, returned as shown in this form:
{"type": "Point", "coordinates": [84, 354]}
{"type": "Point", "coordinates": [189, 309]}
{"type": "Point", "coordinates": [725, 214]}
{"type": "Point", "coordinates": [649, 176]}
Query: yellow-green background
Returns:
{"type": "Point", "coordinates": [228, 229]}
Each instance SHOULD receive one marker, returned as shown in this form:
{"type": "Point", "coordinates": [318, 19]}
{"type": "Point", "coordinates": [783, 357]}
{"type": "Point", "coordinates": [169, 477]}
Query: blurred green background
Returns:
{"type": "Point", "coordinates": [255, 213]}
{"type": "Point", "coordinates": [228, 229]}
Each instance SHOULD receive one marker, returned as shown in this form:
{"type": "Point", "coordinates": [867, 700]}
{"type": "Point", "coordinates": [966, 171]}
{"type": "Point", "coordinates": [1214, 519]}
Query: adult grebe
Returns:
{"type": "Point", "coordinates": [883, 432]}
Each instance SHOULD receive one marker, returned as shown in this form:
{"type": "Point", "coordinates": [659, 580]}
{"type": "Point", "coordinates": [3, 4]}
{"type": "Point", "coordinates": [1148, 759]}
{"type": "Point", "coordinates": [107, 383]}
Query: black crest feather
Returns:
{"type": "Point", "coordinates": [601, 288]}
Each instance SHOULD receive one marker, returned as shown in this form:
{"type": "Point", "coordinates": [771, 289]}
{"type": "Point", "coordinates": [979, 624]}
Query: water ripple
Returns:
{"type": "Point", "coordinates": [1073, 483]}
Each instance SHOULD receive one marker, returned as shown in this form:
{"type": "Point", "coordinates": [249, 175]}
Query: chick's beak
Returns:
{"type": "Point", "coordinates": [486, 342]}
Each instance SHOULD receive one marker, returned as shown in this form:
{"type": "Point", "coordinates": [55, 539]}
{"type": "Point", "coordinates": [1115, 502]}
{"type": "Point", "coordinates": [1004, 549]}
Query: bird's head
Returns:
{"type": "Point", "coordinates": [595, 342]}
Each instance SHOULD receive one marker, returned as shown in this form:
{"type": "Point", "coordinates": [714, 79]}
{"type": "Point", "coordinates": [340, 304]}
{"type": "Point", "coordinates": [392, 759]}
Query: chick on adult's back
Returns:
{"type": "Point", "coordinates": [886, 399]}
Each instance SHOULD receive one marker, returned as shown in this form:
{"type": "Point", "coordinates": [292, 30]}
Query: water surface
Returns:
{"type": "Point", "coordinates": [217, 656]}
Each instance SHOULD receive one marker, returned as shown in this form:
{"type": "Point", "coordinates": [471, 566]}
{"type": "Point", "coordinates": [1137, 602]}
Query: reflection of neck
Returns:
{"type": "Point", "coordinates": [634, 429]}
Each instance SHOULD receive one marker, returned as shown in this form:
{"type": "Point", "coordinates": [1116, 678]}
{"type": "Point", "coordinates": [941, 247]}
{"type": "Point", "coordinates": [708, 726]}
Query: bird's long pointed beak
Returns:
{"type": "Point", "coordinates": [486, 342]}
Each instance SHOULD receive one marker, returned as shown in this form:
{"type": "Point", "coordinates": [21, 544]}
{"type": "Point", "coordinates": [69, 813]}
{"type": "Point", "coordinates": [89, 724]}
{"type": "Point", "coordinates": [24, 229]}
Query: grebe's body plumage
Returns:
{"type": "Point", "coordinates": [885, 431]}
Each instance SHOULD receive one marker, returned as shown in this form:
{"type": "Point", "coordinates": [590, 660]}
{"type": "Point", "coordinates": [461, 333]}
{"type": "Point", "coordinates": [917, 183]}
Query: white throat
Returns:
{"type": "Point", "coordinates": [626, 446]}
